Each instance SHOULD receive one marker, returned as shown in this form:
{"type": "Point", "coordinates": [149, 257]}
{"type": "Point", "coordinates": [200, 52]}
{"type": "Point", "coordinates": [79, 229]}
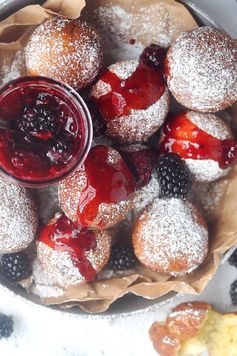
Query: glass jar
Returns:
{"type": "Point", "coordinates": [45, 131]}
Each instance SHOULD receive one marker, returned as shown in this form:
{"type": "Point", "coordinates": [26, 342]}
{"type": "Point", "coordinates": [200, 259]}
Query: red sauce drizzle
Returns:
{"type": "Point", "coordinates": [64, 235]}
{"type": "Point", "coordinates": [186, 139]}
{"type": "Point", "coordinates": [142, 89]}
{"type": "Point", "coordinates": [107, 183]}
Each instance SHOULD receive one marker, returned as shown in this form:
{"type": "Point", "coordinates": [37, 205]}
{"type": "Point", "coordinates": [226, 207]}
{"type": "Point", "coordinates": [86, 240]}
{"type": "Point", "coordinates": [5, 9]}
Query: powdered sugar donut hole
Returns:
{"type": "Point", "coordinates": [208, 170]}
{"type": "Point", "coordinates": [171, 237]}
{"type": "Point", "coordinates": [202, 69]}
{"type": "Point", "coordinates": [139, 125]}
{"type": "Point", "coordinates": [59, 264]}
{"type": "Point", "coordinates": [70, 190]}
{"type": "Point", "coordinates": [66, 50]}
{"type": "Point", "coordinates": [18, 218]}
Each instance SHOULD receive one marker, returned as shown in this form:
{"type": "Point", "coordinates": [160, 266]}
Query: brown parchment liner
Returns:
{"type": "Point", "coordinates": [98, 296]}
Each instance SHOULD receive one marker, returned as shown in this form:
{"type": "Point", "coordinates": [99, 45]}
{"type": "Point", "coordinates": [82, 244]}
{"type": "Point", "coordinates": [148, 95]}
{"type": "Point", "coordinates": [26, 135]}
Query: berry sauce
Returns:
{"type": "Point", "coordinates": [45, 134]}
{"type": "Point", "coordinates": [64, 235]}
{"type": "Point", "coordinates": [138, 92]}
{"type": "Point", "coordinates": [183, 137]}
{"type": "Point", "coordinates": [108, 182]}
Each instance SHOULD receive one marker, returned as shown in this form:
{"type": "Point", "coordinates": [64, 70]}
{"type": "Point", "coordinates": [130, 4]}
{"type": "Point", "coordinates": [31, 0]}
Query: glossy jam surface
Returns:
{"type": "Point", "coordinates": [108, 181]}
{"type": "Point", "coordinates": [139, 91]}
{"type": "Point", "coordinates": [45, 133]}
{"type": "Point", "coordinates": [64, 235]}
{"type": "Point", "coordinates": [183, 137]}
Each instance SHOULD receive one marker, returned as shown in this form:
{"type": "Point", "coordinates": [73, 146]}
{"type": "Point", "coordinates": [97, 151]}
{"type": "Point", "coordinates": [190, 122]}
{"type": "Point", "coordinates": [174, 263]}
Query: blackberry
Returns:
{"type": "Point", "coordinates": [173, 176]}
{"type": "Point", "coordinates": [62, 145]}
{"type": "Point", "coordinates": [16, 266]}
{"type": "Point", "coordinates": [154, 55]}
{"type": "Point", "coordinates": [6, 326]}
{"type": "Point", "coordinates": [233, 292]}
{"type": "Point", "coordinates": [38, 120]}
{"type": "Point", "coordinates": [233, 259]}
{"type": "Point", "coordinates": [121, 258]}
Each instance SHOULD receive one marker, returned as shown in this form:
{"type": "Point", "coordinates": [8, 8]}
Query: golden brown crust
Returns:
{"type": "Point", "coordinates": [195, 327]}
{"type": "Point", "coordinates": [184, 321]}
{"type": "Point", "coordinates": [164, 341]}
{"type": "Point", "coordinates": [170, 237]}
{"type": "Point", "coordinates": [66, 50]}
{"type": "Point", "coordinates": [197, 75]}
{"type": "Point", "coordinates": [187, 319]}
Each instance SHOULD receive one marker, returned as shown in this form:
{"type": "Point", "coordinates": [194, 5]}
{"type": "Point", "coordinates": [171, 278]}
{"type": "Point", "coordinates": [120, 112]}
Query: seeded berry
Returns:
{"type": "Point", "coordinates": [40, 121]}
{"type": "Point", "coordinates": [233, 292]}
{"type": "Point", "coordinates": [154, 55]}
{"type": "Point", "coordinates": [173, 176]}
{"type": "Point", "coordinates": [16, 266]}
{"type": "Point", "coordinates": [62, 144]}
{"type": "Point", "coordinates": [6, 326]}
{"type": "Point", "coordinates": [121, 258]}
{"type": "Point", "coordinates": [141, 163]}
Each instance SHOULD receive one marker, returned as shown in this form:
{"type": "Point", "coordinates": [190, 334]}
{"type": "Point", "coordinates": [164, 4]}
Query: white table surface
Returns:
{"type": "Point", "coordinates": [40, 331]}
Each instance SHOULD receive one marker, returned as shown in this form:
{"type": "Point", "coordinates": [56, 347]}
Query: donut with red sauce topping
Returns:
{"type": "Point", "coordinates": [171, 237]}
{"type": "Point", "coordinates": [99, 193]}
{"type": "Point", "coordinates": [72, 254]}
{"type": "Point", "coordinates": [133, 100]}
{"type": "Point", "coordinates": [204, 141]}
{"type": "Point", "coordinates": [201, 69]}
{"type": "Point", "coordinates": [18, 218]}
{"type": "Point", "coordinates": [66, 50]}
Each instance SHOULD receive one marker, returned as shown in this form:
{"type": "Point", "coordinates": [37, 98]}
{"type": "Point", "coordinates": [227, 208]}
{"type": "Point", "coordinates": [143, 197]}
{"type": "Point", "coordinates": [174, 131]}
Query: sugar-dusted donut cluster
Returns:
{"type": "Point", "coordinates": [143, 162]}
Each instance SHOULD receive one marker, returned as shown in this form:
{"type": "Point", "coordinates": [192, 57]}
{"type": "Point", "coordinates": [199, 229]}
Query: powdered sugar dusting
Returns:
{"type": "Point", "coordinates": [45, 284]}
{"type": "Point", "coordinates": [208, 170]}
{"type": "Point", "coordinates": [69, 192]}
{"type": "Point", "coordinates": [110, 214]}
{"type": "Point", "coordinates": [169, 235]}
{"type": "Point", "coordinates": [189, 313]}
{"type": "Point", "coordinates": [152, 23]}
{"type": "Point", "coordinates": [13, 69]}
{"type": "Point", "coordinates": [205, 170]}
{"type": "Point", "coordinates": [146, 195]}
{"type": "Point", "coordinates": [168, 340]}
{"type": "Point", "coordinates": [124, 69]}
{"type": "Point", "coordinates": [18, 218]}
{"type": "Point", "coordinates": [59, 264]}
{"type": "Point", "coordinates": [139, 125]}
{"type": "Point", "coordinates": [203, 69]}
{"type": "Point", "coordinates": [211, 124]}
{"type": "Point", "coordinates": [67, 50]}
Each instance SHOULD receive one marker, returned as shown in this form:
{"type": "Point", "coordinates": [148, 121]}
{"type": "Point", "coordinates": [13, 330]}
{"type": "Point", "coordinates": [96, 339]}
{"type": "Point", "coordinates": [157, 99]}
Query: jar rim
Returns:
{"type": "Point", "coordinates": [85, 115]}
